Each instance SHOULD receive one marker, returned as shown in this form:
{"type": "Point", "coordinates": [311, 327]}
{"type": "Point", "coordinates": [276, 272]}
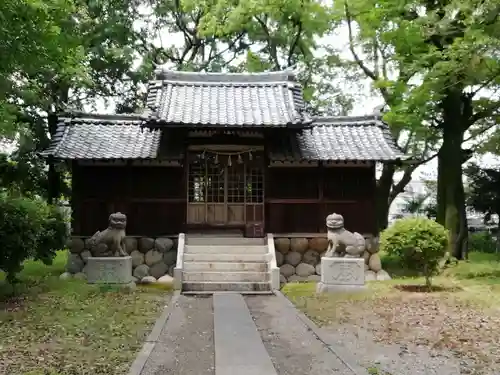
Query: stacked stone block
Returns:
{"type": "Point", "coordinates": [153, 259]}
{"type": "Point", "coordinates": [299, 258]}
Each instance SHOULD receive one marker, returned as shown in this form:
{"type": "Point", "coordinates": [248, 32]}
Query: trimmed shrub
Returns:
{"type": "Point", "coordinates": [419, 242]}
{"type": "Point", "coordinates": [29, 228]}
{"type": "Point", "coordinates": [482, 242]}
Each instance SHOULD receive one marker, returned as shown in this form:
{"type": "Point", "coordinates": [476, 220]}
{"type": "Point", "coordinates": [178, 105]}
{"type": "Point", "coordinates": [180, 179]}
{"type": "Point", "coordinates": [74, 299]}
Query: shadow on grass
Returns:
{"type": "Point", "coordinates": [427, 289]}
{"type": "Point", "coordinates": [395, 268]}
{"type": "Point", "coordinates": [480, 267]}
{"type": "Point", "coordinates": [484, 267]}
{"type": "Point", "coordinates": [35, 278]}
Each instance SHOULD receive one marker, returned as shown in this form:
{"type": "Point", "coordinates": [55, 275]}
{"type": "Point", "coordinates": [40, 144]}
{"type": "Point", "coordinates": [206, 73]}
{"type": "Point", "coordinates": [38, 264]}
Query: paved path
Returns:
{"type": "Point", "coordinates": [228, 334]}
{"type": "Point", "coordinates": [238, 346]}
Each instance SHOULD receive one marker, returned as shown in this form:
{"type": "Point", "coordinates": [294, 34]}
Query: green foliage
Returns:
{"type": "Point", "coordinates": [39, 46]}
{"type": "Point", "coordinates": [29, 229]}
{"type": "Point", "coordinates": [420, 243]}
{"type": "Point", "coordinates": [53, 236]}
{"type": "Point", "coordinates": [483, 242]}
{"type": "Point", "coordinates": [483, 189]}
{"type": "Point", "coordinates": [61, 55]}
{"type": "Point", "coordinates": [265, 36]}
{"type": "Point", "coordinates": [426, 59]}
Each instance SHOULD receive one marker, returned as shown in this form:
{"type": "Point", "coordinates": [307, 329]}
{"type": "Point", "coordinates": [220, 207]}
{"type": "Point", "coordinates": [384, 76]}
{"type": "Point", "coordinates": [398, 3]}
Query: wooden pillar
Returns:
{"type": "Point", "coordinates": [75, 200]}
{"type": "Point", "coordinates": [321, 198]}
{"type": "Point", "coordinates": [53, 176]}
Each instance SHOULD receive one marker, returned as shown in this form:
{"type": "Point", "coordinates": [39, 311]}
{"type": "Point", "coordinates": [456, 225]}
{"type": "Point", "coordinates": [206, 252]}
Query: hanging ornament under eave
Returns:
{"type": "Point", "coordinates": [250, 156]}
{"type": "Point", "coordinates": [203, 154]}
{"type": "Point", "coordinates": [229, 160]}
{"type": "Point", "coordinates": [216, 161]}
{"type": "Point", "coordinates": [240, 159]}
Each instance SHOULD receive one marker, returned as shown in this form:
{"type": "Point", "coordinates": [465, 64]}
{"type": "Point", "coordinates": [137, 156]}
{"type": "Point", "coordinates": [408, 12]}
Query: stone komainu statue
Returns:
{"type": "Point", "coordinates": [111, 241]}
{"type": "Point", "coordinates": [341, 242]}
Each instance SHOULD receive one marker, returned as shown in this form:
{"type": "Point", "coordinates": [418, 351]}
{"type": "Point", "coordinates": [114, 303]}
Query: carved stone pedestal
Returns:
{"type": "Point", "coordinates": [341, 275]}
{"type": "Point", "coordinates": [109, 270]}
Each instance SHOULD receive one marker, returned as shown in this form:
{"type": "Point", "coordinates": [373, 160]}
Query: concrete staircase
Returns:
{"type": "Point", "coordinates": [237, 264]}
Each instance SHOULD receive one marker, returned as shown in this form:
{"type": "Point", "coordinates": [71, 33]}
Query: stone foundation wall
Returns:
{"type": "Point", "coordinates": [152, 258]}
{"type": "Point", "coordinates": [299, 259]}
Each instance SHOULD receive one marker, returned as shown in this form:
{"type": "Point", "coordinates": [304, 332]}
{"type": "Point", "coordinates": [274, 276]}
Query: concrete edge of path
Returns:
{"type": "Point", "coordinates": [148, 346]}
{"type": "Point", "coordinates": [345, 358]}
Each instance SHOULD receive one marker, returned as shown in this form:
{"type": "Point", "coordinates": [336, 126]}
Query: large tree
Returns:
{"type": "Point", "coordinates": [35, 45]}
{"type": "Point", "coordinates": [441, 78]}
{"type": "Point", "coordinates": [61, 56]}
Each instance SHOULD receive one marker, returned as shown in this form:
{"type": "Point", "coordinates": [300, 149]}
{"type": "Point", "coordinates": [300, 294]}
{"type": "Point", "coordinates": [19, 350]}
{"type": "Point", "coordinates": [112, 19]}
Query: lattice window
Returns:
{"type": "Point", "coordinates": [211, 182]}
{"type": "Point", "coordinates": [197, 182]}
{"type": "Point", "coordinates": [206, 181]}
{"type": "Point", "coordinates": [215, 183]}
{"type": "Point", "coordinates": [236, 184]}
{"type": "Point", "coordinates": [254, 185]}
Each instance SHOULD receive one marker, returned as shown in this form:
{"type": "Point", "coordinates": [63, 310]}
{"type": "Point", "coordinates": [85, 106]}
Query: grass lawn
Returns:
{"type": "Point", "coordinates": [463, 316]}
{"type": "Point", "coordinates": [54, 327]}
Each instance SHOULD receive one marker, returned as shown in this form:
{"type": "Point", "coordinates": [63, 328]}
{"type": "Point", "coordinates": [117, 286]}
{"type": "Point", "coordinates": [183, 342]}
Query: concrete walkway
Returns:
{"type": "Point", "coordinates": [229, 334]}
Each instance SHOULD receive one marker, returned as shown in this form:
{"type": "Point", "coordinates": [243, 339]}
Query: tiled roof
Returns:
{"type": "Point", "coordinates": [226, 99]}
{"type": "Point", "coordinates": [348, 138]}
{"type": "Point", "coordinates": [103, 137]}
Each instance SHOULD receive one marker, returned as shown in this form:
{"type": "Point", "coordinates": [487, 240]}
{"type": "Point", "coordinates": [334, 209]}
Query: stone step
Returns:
{"type": "Point", "coordinates": [241, 287]}
{"type": "Point", "coordinates": [225, 276]}
{"type": "Point", "coordinates": [225, 266]}
{"type": "Point", "coordinates": [224, 241]}
{"type": "Point", "coordinates": [235, 258]}
{"type": "Point", "coordinates": [225, 249]}
{"type": "Point", "coordinates": [254, 292]}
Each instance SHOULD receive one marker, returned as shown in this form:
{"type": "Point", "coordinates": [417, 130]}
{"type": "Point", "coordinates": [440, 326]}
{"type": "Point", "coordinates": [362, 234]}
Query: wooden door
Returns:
{"type": "Point", "coordinates": [229, 194]}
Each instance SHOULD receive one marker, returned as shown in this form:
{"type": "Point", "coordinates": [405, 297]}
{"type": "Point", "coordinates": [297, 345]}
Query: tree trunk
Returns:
{"type": "Point", "coordinates": [462, 245]}
{"type": "Point", "coordinates": [441, 193]}
{"type": "Point", "coordinates": [382, 196]}
{"type": "Point", "coordinates": [450, 186]}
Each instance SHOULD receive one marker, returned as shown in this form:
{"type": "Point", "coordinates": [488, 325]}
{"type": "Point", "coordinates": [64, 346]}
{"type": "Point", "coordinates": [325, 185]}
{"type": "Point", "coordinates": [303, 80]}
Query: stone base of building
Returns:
{"type": "Point", "coordinates": [299, 257]}
{"type": "Point", "coordinates": [153, 259]}
{"type": "Point", "coordinates": [109, 270]}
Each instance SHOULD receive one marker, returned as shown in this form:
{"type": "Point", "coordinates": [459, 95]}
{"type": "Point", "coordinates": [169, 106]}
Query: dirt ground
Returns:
{"type": "Point", "coordinates": [393, 331]}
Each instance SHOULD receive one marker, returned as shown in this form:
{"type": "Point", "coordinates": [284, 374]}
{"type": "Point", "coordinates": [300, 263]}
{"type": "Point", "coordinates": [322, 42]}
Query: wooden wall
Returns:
{"type": "Point", "coordinates": [153, 198]}
{"type": "Point", "coordinates": [298, 199]}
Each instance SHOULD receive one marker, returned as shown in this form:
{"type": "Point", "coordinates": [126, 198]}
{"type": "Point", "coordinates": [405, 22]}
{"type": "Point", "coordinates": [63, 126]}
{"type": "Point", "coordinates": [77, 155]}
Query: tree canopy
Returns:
{"type": "Point", "coordinates": [436, 66]}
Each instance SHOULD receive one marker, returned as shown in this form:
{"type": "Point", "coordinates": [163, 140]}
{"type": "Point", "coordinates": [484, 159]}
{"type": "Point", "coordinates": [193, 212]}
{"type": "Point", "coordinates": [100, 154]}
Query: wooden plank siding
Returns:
{"type": "Point", "coordinates": [153, 198]}
{"type": "Point", "coordinates": [297, 199]}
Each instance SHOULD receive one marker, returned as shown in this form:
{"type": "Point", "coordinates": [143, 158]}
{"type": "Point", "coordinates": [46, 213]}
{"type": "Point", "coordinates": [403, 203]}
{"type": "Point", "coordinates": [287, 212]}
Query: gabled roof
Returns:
{"type": "Point", "coordinates": [226, 100]}
{"type": "Point", "coordinates": [349, 138]}
{"type": "Point", "coordinates": [84, 136]}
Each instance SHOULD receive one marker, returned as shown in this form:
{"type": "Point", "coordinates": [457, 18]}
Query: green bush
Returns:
{"type": "Point", "coordinates": [482, 242]}
{"type": "Point", "coordinates": [419, 242]}
{"type": "Point", "coordinates": [54, 235]}
{"type": "Point", "coordinates": [29, 228]}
